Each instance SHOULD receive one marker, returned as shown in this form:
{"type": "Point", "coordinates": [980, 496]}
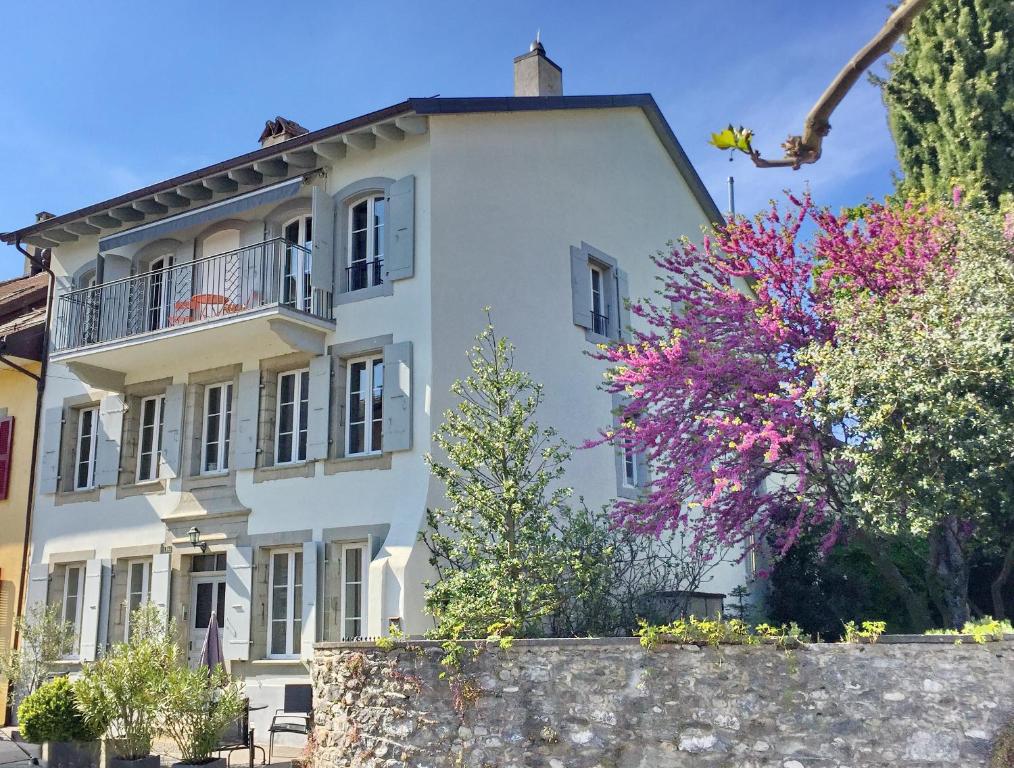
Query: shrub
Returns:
{"type": "Point", "coordinates": [1003, 748]}
{"type": "Point", "coordinates": [198, 705]}
{"type": "Point", "coordinates": [51, 713]}
{"type": "Point", "coordinates": [126, 687]}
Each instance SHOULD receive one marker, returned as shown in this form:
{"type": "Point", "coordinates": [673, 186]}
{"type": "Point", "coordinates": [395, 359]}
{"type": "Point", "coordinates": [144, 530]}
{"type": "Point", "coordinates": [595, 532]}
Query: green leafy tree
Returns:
{"type": "Point", "coordinates": [44, 639]}
{"type": "Point", "coordinates": [493, 546]}
{"type": "Point", "coordinates": [197, 706]}
{"type": "Point", "coordinates": [926, 379]}
{"type": "Point", "coordinates": [51, 713]}
{"type": "Point", "coordinates": [126, 687]}
{"type": "Point", "coordinates": [950, 100]}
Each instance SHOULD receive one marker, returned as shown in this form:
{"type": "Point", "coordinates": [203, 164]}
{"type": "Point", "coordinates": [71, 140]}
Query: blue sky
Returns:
{"type": "Point", "coordinates": [102, 100]}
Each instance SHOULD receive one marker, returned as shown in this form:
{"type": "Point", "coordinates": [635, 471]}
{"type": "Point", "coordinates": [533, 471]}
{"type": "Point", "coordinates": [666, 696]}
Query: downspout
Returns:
{"type": "Point", "coordinates": [40, 386]}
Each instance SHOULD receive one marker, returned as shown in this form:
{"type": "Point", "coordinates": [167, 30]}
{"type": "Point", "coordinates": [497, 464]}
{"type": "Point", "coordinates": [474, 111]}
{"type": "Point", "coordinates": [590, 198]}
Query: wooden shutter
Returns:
{"type": "Point", "coordinates": [49, 463]}
{"type": "Point", "coordinates": [312, 561]}
{"type": "Point", "coordinates": [160, 584]}
{"type": "Point", "coordinates": [580, 288]}
{"type": "Point", "coordinates": [107, 454]}
{"type": "Point", "coordinates": [319, 398]}
{"type": "Point", "coordinates": [247, 414]}
{"type": "Point", "coordinates": [38, 586]}
{"type": "Point", "coordinates": [91, 609]}
{"type": "Point", "coordinates": [622, 307]}
{"type": "Point", "coordinates": [397, 398]}
{"type": "Point", "coordinates": [236, 622]}
{"type": "Point", "coordinates": [172, 429]}
{"type": "Point", "coordinates": [322, 252]}
{"type": "Point", "coordinates": [6, 449]}
{"type": "Point", "coordinates": [399, 259]}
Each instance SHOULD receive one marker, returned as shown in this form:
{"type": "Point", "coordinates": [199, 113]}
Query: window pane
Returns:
{"type": "Point", "coordinates": [359, 214]}
{"type": "Point", "coordinates": [228, 426]}
{"type": "Point", "coordinates": [304, 412]}
{"type": "Point", "coordinates": [203, 605]}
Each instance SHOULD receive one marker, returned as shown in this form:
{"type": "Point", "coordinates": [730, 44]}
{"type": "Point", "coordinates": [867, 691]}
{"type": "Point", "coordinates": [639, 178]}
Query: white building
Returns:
{"type": "Point", "coordinates": [260, 350]}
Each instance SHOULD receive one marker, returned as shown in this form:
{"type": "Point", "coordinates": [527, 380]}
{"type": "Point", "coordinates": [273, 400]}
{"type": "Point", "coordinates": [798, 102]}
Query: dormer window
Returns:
{"type": "Point", "coordinates": [367, 222]}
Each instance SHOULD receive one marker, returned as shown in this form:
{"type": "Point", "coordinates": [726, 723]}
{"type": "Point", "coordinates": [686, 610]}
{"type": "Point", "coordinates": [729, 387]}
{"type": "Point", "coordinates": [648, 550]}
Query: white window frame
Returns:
{"type": "Point", "coordinates": [158, 427]}
{"type": "Point", "coordinates": [157, 295]}
{"type": "Point", "coordinates": [300, 392]}
{"type": "Point", "coordinates": [369, 449]}
{"type": "Point", "coordinates": [78, 608]}
{"type": "Point", "coordinates": [301, 262]}
{"type": "Point", "coordinates": [145, 591]}
{"type": "Point", "coordinates": [224, 428]}
{"type": "Point", "coordinates": [374, 249]}
{"type": "Point", "coordinates": [598, 295]}
{"type": "Point", "coordinates": [344, 583]}
{"type": "Point", "coordinates": [292, 609]}
{"type": "Point", "coordinates": [92, 447]}
{"type": "Point", "coordinates": [630, 471]}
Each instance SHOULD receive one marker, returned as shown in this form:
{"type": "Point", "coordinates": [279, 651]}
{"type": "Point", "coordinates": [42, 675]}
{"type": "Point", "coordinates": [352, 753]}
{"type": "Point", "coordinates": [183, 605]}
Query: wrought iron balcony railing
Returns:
{"type": "Point", "coordinates": [275, 272]}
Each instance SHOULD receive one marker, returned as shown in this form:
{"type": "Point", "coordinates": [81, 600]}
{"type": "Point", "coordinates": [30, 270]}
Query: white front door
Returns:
{"type": "Point", "coordinates": [207, 594]}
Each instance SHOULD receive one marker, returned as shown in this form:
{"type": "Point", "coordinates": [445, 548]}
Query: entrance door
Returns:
{"type": "Point", "coordinates": [207, 594]}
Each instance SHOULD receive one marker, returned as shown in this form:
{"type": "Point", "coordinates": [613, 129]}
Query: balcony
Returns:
{"type": "Point", "coordinates": [259, 295]}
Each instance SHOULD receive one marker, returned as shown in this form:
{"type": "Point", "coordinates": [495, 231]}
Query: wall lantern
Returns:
{"type": "Point", "coordinates": [195, 539]}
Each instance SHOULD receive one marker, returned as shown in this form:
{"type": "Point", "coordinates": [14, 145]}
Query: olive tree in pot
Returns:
{"type": "Point", "coordinates": [199, 705]}
{"type": "Point", "coordinates": [50, 716]}
{"type": "Point", "coordinates": [125, 689]}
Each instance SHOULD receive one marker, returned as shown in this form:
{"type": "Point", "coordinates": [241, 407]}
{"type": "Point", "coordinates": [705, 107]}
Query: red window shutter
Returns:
{"type": "Point", "coordinates": [6, 447]}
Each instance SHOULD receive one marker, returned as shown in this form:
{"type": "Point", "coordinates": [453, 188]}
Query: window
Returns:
{"type": "Point", "coordinates": [367, 221]}
{"type": "Point", "coordinates": [285, 603]}
{"type": "Point", "coordinates": [138, 574]}
{"type": "Point", "coordinates": [296, 289]}
{"type": "Point", "coordinates": [84, 457]}
{"type": "Point", "coordinates": [149, 443]}
{"type": "Point", "coordinates": [353, 586]}
{"type": "Point", "coordinates": [599, 308]}
{"type": "Point", "coordinates": [365, 407]}
{"type": "Point", "coordinates": [217, 425]}
{"type": "Point", "coordinates": [157, 305]}
{"type": "Point", "coordinates": [630, 458]}
{"type": "Point", "coordinates": [73, 587]}
{"type": "Point", "coordinates": [208, 563]}
{"type": "Point", "coordinates": [292, 416]}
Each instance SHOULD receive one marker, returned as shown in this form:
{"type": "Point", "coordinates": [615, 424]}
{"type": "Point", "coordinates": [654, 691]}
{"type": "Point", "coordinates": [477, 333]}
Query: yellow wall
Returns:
{"type": "Point", "coordinates": [17, 395]}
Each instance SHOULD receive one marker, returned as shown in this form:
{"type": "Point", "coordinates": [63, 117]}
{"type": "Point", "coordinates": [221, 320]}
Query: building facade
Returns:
{"type": "Point", "coordinates": [248, 360]}
{"type": "Point", "coordinates": [22, 322]}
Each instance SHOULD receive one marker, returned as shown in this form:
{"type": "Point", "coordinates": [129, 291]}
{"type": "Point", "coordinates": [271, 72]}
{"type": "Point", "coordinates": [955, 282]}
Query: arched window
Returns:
{"type": "Point", "coordinates": [367, 222]}
{"type": "Point", "coordinates": [298, 236]}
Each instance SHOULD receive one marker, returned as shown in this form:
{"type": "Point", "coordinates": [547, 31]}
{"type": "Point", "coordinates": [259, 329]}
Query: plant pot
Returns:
{"type": "Point", "coordinates": [71, 754]}
{"type": "Point", "coordinates": [150, 761]}
{"type": "Point", "coordinates": [218, 762]}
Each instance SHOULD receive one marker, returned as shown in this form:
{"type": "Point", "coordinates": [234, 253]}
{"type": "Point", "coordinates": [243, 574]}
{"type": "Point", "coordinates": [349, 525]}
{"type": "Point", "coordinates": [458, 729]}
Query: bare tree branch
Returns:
{"type": "Point", "coordinates": [807, 148]}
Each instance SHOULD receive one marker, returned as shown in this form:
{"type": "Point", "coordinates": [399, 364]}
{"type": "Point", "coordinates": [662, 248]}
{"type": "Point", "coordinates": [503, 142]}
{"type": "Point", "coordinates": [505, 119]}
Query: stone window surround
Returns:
{"type": "Point", "coordinates": [271, 369]}
{"type": "Point", "coordinates": [340, 354]}
{"type": "Point", "coordinates": [120, 560]}
{"type": "Point", "coordinates": [608, 266]}
{"type": "Point", "coordinates": [193, 429]}
{"type": "Point", "coordinates": [262, 545]}
{"type": "Point", "coordinates": [343, 199]}
{"type": "Point", "coordinates": [624, 491]}
{"type": "Point", "coordinates": [65, 492]}
{"type": "Point", "coordinates": [329, 612]}
{"type": "Point", "coordinates": [129, 439]}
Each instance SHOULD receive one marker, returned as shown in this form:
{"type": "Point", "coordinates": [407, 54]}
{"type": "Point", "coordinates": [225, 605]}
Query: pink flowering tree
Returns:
{"type": "Point", "coordinates": [719, 391]}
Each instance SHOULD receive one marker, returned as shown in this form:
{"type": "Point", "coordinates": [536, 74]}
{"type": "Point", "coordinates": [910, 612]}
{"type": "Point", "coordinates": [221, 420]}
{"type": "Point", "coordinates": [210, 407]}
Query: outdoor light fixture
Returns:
{"type": "Point", "coordinates": [195, 539]}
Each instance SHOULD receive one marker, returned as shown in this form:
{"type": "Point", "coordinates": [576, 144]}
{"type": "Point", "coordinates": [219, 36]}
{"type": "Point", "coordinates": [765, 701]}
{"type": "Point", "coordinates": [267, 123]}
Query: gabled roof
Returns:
{"type": "Point", "coordinates": [301, 153]}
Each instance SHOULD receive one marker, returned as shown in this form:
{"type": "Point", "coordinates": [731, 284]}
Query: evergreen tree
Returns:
{"type": "Point", "coordinates": [950, 100]}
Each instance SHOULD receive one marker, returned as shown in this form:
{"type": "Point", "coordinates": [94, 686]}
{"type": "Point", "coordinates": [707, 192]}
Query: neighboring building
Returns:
{"type": "Point", "coordinates": [22, 325]}
{"type": "Point", "coordinates": [249, 360]}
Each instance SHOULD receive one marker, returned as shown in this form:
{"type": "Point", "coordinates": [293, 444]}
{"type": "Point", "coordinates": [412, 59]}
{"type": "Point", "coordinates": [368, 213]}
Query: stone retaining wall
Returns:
{"type": "Point", "coordinates": [605, 703]}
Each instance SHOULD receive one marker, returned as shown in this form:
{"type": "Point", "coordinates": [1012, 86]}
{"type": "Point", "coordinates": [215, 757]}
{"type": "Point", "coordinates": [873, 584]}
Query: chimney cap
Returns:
{"type": "Point", "coordinates": [536, 45]}
{"type": "Point", "coordinates": [280, 129]}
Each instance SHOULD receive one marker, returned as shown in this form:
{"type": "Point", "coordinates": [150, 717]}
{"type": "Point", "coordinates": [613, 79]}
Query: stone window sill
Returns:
{"type": "Point", "coordinates": [218, 480]}
{"type": "Point", "coordinates": [356, 463]}
{"type": "Point", "coordinates": [350, 297]}
{"type": "Point", "coordinates": [148, 488]}
{"type": "Point", "coordinates": [75, 497]}
{"type": "Point", "coordinates": [284, 471]}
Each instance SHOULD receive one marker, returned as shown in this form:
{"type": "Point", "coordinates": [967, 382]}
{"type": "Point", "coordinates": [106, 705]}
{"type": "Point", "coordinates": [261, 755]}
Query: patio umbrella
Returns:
{"type": "Point", "coordinates": [211, 653]}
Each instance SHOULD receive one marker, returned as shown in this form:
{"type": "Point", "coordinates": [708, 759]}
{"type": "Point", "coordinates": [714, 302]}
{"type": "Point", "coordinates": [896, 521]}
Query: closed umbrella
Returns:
{"type": "Point", "coordinates": [211, 653]}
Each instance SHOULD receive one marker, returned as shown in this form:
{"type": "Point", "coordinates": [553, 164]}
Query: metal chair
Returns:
{"type": "Point", "coordinates": [238, 735]}
{"type": "Point", "coordinates": [295, 716]}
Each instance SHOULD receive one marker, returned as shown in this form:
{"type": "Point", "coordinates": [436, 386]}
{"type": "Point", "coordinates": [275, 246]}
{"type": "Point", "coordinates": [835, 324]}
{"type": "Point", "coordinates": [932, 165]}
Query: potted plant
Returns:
{"type": "Point", "coordinates": [125, 688]}
{"type": "Point", "coordinates": [50, 716]}
{"type": "Point", "coordinates": [199, 704]}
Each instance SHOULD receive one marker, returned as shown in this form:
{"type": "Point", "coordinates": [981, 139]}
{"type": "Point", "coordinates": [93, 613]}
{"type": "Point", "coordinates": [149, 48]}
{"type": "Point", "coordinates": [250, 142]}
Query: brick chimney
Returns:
{"type": "Point", "coordinates": [280, 129]}
{"type": "Point", "coordinates": [535, 74]}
